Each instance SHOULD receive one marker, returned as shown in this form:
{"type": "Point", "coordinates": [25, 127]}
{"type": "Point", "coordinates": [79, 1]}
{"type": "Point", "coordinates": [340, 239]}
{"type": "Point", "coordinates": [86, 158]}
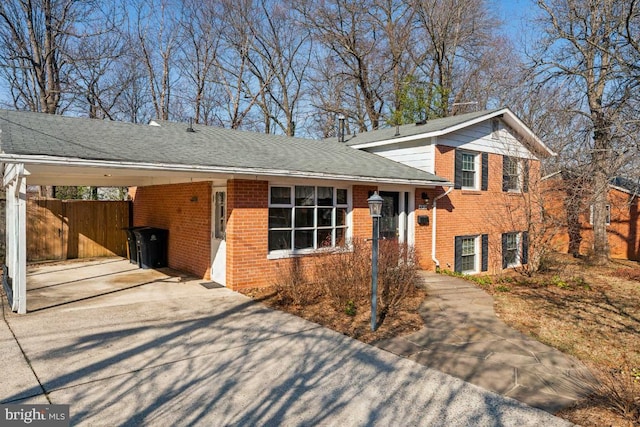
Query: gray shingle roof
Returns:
{"type": "Point", "coordinates": [413, 129]}
{"type": "Point", "coordinates": [35, 134]}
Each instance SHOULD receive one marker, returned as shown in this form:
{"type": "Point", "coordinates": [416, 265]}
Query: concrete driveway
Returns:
{"type": "Point", "coordinates": [168, 351]}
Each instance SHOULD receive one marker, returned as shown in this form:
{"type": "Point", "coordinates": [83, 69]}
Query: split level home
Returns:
{"type": "Point", "coordinates": [238, 205]}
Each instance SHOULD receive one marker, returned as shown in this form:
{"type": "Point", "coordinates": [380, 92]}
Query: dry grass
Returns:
{"type": "Point", "coordinates": [592, 313]}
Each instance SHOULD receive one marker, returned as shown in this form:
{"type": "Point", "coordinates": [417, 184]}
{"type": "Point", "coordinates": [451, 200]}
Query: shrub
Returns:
{"type": "Point", "coordinates": [397, 275]}
{"type": "Point", "coordinates": [345, 276]}
{"type": "Point", "coordinates": [292, 285]}
{"type": "Point", "coordinates": [619, 390]}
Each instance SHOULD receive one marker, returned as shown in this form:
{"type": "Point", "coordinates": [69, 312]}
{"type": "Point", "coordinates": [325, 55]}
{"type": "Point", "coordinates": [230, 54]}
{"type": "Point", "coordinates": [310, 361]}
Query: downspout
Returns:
{"type": "Point", "coordinates": [433, 228]}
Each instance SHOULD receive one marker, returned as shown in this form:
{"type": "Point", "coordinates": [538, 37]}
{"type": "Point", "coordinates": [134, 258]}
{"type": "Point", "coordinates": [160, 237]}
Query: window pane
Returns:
{"type": "Point", "coordinates": [280, 195]}
{"type": "Point", "coordinates": [279, 217]}
{"type": "Point", "coordinates": [341, 216]}
{"type": "Point", "coordinates": [304, 217]}
{"type": "Point", "coordinates": [468, 162]}
{"type": "Point", "coordinates": [303, 239]}
{"type": "Point", "coordinates": [468, 179]}
{"type": "Point", "coordinates": [468, 246]}
{"type": "Point", "coordinates": [340, 239]}
{"type": "Point", "coordinates": [324, 217]}
{"type": "Point", "coordinates": [305, 196]}
{"type": "Point", "coordinates": [279, 239]}
{"type": "Point", "coordinates": [324, 238]}
{"type": "Point", "coordinates": [469, 263]}
{"type": "Point", "coordinates": [325, 196]}
{"type": "Point", "coordinates": [341, 195]}
{"type": "Point", "coordinates": [512, 241]}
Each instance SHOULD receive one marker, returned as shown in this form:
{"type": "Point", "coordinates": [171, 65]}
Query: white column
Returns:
{"type": "Point", "coordinates": [10, 255]}
{"type": "Point", "coordinates": [20, 278]}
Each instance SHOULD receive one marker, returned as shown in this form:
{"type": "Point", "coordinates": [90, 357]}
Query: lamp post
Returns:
{"type": "Point", "coordinates": [375, 210]}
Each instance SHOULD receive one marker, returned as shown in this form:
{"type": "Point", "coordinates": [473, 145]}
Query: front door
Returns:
{"type": "Point", "coordinates": [390, 213]}
{"type": "Point", "coordinates": [218, 236]}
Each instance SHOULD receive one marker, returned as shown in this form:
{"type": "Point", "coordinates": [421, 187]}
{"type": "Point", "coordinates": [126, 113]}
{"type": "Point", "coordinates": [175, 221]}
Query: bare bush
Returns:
{"type": "Point", "coordinates": [398, 275]}
{"type": "Point", "coordinates": [292, 285]}
{"type": "Point", "coordinates": [346, 276]}
{"type": "Point", "coordinates": [619, 391]}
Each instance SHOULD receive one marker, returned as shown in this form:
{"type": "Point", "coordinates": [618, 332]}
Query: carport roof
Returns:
{"type": "Point", "coordinates": [43, 139]}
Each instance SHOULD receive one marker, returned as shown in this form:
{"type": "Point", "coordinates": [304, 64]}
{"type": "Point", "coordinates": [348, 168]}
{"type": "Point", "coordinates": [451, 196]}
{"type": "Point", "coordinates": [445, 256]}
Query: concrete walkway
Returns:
{"type": "Point", "coordinates": [464, 338]}
{"type": "Point", "coordinates": [167, 351]}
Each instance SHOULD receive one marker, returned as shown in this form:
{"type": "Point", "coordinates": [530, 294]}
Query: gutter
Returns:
{"type": "Point", "coordinates": [433, 229]}
{"type": "Point", "coordinates": [128, 165]}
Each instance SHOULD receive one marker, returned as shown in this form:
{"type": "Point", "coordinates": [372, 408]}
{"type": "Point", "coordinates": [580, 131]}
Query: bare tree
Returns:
{"type": "Point", "coordinates": [36, 38]}
{"type": "Point", "coordinates": [581, 50]}
{"type": "Point", "coordinates": [156, 39]}
{"type": "Point", "coordinates": [459, 34]}
{"type": "Point", "coordinates": [282, 56]}
{"type": "Point", "coordinates": [346, 32]}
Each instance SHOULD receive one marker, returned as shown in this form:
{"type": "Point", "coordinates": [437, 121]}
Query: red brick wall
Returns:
{"type": "Point", "coordinates": [623, 232]}
{"type": "Point", "coordinates": [247, 234]}
{"type": "Point", "coordinates": [465, 212]}
{"type": "Point", "coordinates": [184, 210]}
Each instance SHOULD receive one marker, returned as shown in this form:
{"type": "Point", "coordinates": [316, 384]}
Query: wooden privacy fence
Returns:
{"type": "Point", "coordinates": [64, 229]}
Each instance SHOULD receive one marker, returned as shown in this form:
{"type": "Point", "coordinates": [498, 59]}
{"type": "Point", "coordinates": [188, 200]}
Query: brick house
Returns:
{"type": "Point", "coordinates": [481, 224]}
{"type": "Point", "coordinates": [239, 204]}
{"type": "Point", "coordinates": [567, 205]}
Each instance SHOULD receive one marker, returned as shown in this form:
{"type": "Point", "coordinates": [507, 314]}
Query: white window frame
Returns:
{"type": "Point", "coordinates": [518, 175]}
{"type": "Point", "coordinates": [477, 255]}
{"type": "Point", "coordinates": [476, 172]}
{"type": "Point", "coordinates": [292, 251]}
{"type": "Point", "coordinates": [518, 259]}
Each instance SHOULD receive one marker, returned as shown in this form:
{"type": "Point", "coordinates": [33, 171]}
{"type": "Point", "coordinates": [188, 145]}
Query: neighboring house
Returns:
{"type": "Point", "coordinates": [567, 204]}
{"type": "Point", "coordinates": [240, 205]}
{"type": "Point", "coordinates": [482, 223]}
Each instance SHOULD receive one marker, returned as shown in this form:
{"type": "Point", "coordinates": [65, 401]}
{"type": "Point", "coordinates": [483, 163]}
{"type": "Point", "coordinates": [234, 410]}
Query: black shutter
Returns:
{"type": "Point", "coordinates": [458, 255]}
{"type": "Point", "coordinates": [458, 171]}
{"type": "Point", "coordinates": [525, 177]}
{"type": "Point", "coordinates": [525, 248]}
{"type": "Point", "coordinates": [505, 262]}
{"type": "Point", "coordinates": [506, 161]}
{"type": "Point", "coordinates": [485, 171]}
{"type": "Point", "coordinates": [485, 252]}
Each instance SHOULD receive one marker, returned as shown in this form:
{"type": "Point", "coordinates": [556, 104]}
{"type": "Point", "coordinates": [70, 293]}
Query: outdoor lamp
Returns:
{"type": "Point", "coordinates": [375, 210]}
{"type": "Point", "coordinates": [425, 197]}
{"type": "Point", "coordinates": [375, 205]}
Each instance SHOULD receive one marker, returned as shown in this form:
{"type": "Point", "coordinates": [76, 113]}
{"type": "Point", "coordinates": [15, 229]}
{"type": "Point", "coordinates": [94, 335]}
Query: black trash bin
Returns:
{"type": "Point", "coordinates": [131, 243]}
{"type": "Point", "coordinates": [151, 244]}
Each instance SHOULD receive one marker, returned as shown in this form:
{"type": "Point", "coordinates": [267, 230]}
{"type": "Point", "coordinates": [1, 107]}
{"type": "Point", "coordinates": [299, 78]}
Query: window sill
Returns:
{"type": "Point", "coordinates": [471, 191]}
{"type": "Point", "coordinates": [283, 254]}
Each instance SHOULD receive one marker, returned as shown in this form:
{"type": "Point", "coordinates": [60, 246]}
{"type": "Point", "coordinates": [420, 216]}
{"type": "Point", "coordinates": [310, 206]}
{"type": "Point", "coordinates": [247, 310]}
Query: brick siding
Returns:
{"type": "Point", "coordinates": [184, 210]}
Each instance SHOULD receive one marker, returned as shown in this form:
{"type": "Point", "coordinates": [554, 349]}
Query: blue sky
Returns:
{"type": "Point", "coordinates": [514, 14]}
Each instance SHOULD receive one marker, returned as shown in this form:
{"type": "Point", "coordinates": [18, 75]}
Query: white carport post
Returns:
{"type": "Point", "coordinates": [15, 183]}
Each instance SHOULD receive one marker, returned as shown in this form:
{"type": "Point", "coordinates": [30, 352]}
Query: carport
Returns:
{"type": "Point", "coordinates": [39, 149]}
{"type": "Point", "coordinates": [16, 177]}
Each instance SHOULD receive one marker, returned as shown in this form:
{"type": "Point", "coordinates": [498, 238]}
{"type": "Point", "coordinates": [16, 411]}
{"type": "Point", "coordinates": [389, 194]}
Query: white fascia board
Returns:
{"type": "Point", "coordinates": [507, 114]}
{"type": "Point", "coordinates": [227, 170]}
{"type": "Point", "coordinates": [517, 124]}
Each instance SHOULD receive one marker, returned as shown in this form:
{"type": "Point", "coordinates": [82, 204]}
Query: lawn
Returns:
{"type": "Point", "coordinates": [592, 313]}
